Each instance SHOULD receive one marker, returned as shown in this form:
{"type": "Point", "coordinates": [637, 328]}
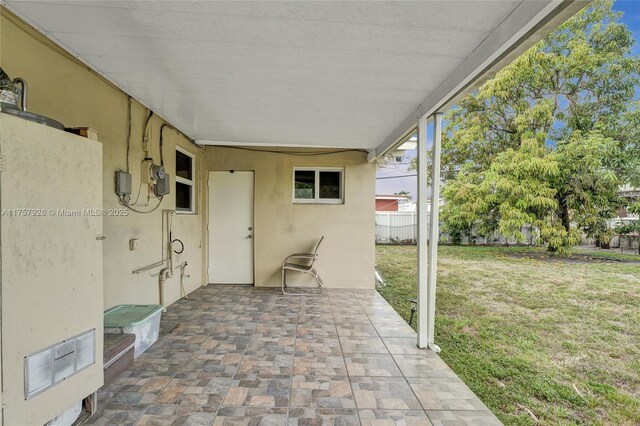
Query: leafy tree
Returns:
{"type": "Point", "coordinates": [405, 194]}
{"type": "Point", "coordinates": [550, 138]}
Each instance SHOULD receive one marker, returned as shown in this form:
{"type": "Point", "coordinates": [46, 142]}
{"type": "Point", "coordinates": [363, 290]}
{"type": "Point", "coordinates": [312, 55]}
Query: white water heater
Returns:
{"type": "Point", "coordinates": [51, 262]}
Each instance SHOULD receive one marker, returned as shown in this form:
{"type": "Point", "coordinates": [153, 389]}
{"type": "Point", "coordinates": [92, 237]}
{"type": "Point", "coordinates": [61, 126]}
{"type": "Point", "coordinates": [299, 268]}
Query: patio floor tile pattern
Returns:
{"type": "Point", "coordinates": [363, 345]}
{"type": "Point", "coordinates": [237, 416]}
{"type": "Point", "coordinates": [389, 393]}
{"type": "Point", "coordinates": [359, 364]}
{"type": "Point", "coordinates": [233, 355]}
{"type": "Point", "coordinates": [323, 416]}
{"type": "Point", "coordinates": [393, 417]}
{"type": "Point", "coordinates": [321, 392]}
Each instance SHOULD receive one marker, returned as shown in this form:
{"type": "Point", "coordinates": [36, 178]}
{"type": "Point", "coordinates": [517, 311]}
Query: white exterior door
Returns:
{"type": "Point", "coordinates": [231, 227]}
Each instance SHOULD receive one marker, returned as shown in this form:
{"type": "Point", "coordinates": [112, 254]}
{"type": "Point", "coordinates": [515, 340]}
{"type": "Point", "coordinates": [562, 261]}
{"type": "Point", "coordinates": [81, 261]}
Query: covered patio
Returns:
{"type": "Point", "coordinates": [246, 355]}
{"type": "Point", "coordinates": [224, 136]}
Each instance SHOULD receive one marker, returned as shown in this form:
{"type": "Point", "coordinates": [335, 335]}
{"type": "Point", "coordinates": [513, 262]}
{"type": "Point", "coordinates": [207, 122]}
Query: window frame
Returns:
{"type": "Point", "coordinates": [317, 199]}
{"type": "Point", "coordinates": [189, 182]}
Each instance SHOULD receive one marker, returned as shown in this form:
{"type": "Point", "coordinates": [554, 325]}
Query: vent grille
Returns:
{"type": "Point", "coordinates": [85, 350]}
{"type": "Point", "coordinates": [40, 372]}
{"type": "Point", "coordinates": [45, 368]}
{"type": "Point", "coordinates": [64, 360]}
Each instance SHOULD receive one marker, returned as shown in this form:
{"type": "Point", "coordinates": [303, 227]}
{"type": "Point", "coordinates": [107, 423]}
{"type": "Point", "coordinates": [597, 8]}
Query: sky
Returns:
{"type": "Point", "coordinates": [384, 185]}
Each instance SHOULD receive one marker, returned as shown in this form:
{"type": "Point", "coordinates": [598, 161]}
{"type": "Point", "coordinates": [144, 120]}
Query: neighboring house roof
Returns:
{"type": "Point", "coordinates": [390, 197]}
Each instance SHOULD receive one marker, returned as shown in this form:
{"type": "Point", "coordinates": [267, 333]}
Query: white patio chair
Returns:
{"type": "Point", "coordinates": [301, 262]}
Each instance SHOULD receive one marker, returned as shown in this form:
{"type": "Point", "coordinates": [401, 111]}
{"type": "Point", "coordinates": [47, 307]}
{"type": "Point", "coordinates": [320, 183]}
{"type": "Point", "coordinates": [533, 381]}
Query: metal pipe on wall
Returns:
{"type": "Point", "coordinates": [169, 243]}
{"type": "Point", "coordinates": [182, 267]}
{"type": "Point", "coordinates": [146, 268]}
{"type": "Point", "coordinates": [167, 272]}
{"type": "Point", "coordinates": [23, 94]}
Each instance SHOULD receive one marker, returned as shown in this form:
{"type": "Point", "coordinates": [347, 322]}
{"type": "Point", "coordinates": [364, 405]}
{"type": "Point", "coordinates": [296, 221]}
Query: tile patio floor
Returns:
{"type": "Point", "coordinates": [251, 356]}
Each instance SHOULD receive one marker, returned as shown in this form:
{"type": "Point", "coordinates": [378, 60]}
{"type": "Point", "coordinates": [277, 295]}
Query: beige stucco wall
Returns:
{"type": "Point", "coordinates": [63, 89]}
{"type": "Point", "coordinates": [347, 258]}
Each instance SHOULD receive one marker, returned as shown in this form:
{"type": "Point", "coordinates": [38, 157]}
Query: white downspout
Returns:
{"type": "Point", "coordinates": [164, 273]}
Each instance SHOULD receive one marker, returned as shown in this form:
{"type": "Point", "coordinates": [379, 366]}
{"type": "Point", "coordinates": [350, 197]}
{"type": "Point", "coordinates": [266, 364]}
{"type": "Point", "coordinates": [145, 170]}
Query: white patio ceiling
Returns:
{"type": "Point", "coordinates": [320, 74]}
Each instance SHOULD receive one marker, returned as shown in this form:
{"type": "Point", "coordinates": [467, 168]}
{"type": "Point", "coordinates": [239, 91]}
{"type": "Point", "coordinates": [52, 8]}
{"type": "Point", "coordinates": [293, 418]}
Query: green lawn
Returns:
{"type": "Point", "coordinates": [534, 338]}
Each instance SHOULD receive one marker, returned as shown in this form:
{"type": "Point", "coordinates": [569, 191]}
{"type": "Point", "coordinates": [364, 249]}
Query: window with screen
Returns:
{"type": "Point", "coordinates": [316, 185]}
{"type": "Point", "coordinates": [185, 182]}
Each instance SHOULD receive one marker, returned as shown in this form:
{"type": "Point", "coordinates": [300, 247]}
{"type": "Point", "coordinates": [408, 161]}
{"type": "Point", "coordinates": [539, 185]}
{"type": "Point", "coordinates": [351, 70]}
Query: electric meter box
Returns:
{"type": "Point", "coordinates": [163, 185]}
{"type": "Point", "coordinates": [123, 183]}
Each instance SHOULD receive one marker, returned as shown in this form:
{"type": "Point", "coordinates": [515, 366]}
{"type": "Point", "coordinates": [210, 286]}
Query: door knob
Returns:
{"type": "Point", "coordinates": [249, 236]}
{"type": "Point", "coordinates": [250, 228]}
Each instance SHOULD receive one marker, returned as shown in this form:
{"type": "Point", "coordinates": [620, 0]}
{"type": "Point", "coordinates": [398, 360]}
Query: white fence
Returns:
{"type": "Point", "coordinates": [402, 228]}
{"type": "Point", "coordinates": [623, 243]}
{"type": "Point", "coordinates": [396, 227]}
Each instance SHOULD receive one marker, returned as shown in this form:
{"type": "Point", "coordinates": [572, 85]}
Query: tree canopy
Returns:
{"type": "Point", "coordinates": [549, 140]}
